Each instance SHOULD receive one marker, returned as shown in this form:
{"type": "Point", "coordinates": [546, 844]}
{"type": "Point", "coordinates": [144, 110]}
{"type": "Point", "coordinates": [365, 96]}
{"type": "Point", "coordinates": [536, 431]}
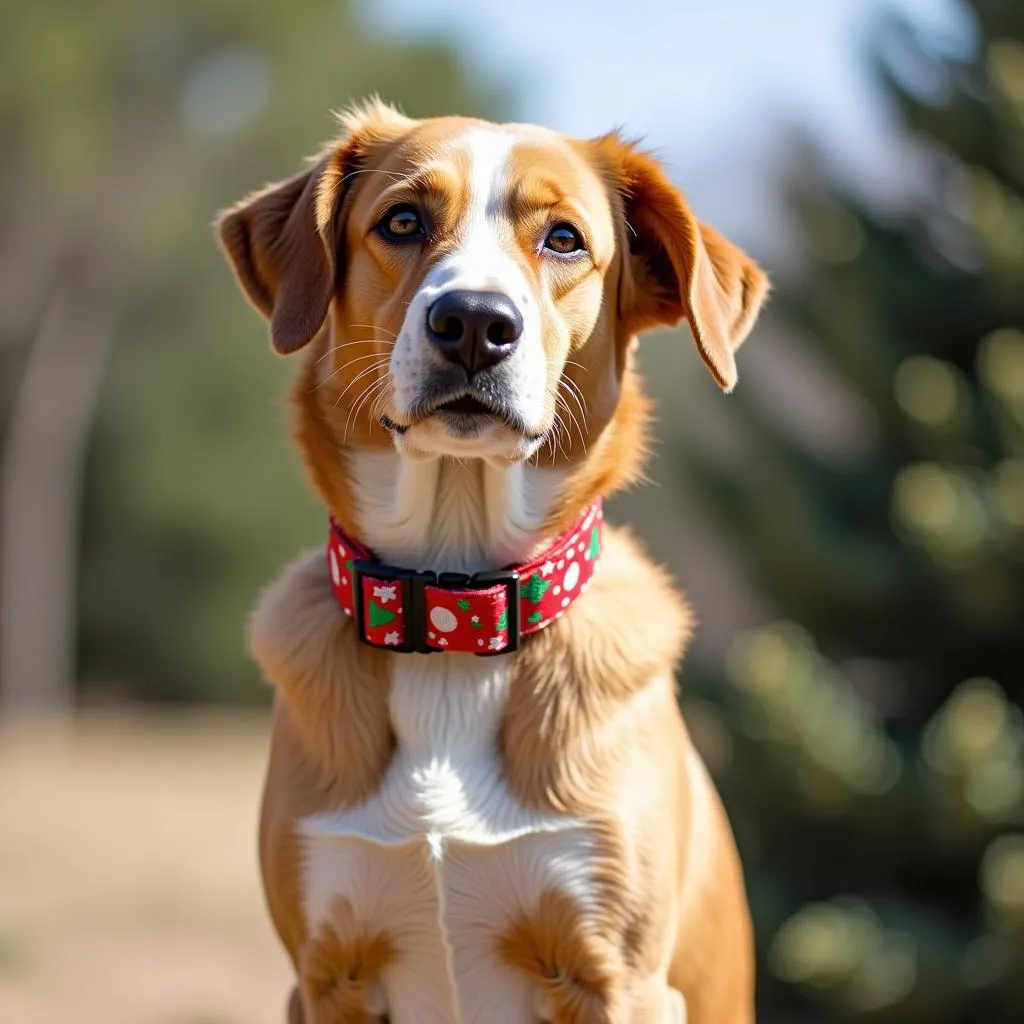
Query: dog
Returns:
{"type": "Point", "coordinates": [482, 803]}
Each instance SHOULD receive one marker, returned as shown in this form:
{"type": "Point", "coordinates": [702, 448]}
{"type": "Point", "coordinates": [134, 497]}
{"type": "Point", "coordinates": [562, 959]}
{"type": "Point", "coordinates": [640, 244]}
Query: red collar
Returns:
{"type": "Point", "coordinates": [405, 610]}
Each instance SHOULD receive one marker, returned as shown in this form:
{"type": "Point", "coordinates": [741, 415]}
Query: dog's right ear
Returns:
{"type": "Point", "coordinates": [284, 242]}
{"type": "Point", "coordinates": [284, 256]}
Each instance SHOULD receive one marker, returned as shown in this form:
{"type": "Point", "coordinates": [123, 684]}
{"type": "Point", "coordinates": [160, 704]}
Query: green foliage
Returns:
{"type": "Point", "coordinates": [876, 771]}
{"type": "Point", "coordinates": [126, 126]}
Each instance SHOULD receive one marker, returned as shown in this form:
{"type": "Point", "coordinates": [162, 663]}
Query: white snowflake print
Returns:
{"type": "Point", "coordinates": [495, 643]}
{"type": "Point", "coordinates": [386, 593]}
{"type": "Point", "coordinates": [391, 638]}
{"type": "Point", "coordinates": [476, 618]}
{"type": "Point", "coordinates": [547, 568]}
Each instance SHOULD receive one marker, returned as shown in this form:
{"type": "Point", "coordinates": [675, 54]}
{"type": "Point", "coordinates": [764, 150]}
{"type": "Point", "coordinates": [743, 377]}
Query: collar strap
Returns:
{"type": "Point", "coordinates": [405, 610]}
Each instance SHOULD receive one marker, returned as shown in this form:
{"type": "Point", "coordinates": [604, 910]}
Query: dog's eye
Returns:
{"type": "Point", "coordinates": [401, 223]}
{"type": "Point", "coordinates": [563, 239]}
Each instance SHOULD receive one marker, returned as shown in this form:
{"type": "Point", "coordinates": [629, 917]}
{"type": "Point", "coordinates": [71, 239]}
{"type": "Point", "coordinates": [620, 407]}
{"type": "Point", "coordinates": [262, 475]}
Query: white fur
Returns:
{"type": "Point", "coordinates": [449, 515]}
{"type": "Point", "coordinates": [483, 261]}
{"type": "Point", "coordinates": [442, 857]}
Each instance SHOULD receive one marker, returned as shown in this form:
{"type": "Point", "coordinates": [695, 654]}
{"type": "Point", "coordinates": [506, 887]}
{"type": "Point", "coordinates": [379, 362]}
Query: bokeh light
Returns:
{"type": "Point", "coordinates": [1002, 876]}
{"type": "Point", "coordinates": [927, 390]}
{"type": "Point", "coordinates": [225, 90]}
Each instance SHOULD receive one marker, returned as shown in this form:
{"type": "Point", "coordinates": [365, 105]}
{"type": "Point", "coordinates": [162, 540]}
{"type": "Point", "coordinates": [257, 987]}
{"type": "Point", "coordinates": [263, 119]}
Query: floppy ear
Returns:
{"type": "Point", "coordinates": [283, 242]}
{"type": "Point", "coordinates": [283, 254]}
{"type": "Point", "coordinates": [678, 268]}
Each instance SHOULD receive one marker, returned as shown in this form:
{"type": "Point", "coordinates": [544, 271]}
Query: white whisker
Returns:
{"type": "Point", "coordinates": [356, 406]}
{"type": "Point", "coordinates": [357, 359]}
{"type": "Point", "coordinates": [577, 395]}
{"type": "Point", "coordinates": [365, 341]}
{"type": "Point", "coordinates": [572, 416]}
{"type": "Point", "coordinates": [359, 376]}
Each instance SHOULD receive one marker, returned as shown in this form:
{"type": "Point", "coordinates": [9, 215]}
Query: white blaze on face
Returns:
{"type": "Point", "coordinates": [483, 261]}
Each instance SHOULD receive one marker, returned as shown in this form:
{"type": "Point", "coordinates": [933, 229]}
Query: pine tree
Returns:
{"type": "Point", "coordinates": [877, 769]}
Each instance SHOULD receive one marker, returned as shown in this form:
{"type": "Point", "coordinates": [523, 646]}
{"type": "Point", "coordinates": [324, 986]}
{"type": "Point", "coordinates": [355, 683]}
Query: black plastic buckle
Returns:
{"type": "Point", "coordinates": [509, 578]}
{"type": "Point", "coordinates": [414, 605]}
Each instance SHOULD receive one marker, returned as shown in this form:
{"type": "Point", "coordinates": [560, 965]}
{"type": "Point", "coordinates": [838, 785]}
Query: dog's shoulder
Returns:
{"type": "Point", "coordinates": [632, 612]}
{"type": "Point", "coordinates": [601, 677]}
{"type": "Point", "coordinates": [335, 688]}
{"type": "Point", "coordinates": [295, 617]}
{"type": "Point", "coordinates": [630, 627]}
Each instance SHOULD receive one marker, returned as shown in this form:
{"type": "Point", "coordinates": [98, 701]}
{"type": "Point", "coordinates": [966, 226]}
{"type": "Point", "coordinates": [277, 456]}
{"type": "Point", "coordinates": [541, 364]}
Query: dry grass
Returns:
{"type": "Point", "coordinates": [129, 891]}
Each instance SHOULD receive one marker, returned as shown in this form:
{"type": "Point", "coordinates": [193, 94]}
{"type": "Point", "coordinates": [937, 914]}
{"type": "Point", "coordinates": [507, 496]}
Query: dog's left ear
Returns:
{"type": "Point", "coordinates": [678, 268]}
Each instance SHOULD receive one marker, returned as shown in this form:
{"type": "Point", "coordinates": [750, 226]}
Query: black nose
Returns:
{"type": "Point", "coordinates": [474, 329]}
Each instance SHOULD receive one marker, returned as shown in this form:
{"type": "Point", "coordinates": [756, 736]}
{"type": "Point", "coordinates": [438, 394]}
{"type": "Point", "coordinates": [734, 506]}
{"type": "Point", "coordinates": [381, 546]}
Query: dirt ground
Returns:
{"type": "Point", "coordinates": [129, 891]}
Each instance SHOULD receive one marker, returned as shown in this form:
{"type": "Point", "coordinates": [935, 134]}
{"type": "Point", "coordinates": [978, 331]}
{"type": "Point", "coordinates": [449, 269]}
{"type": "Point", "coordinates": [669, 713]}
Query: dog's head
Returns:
{"type": "Point", "coordinates": [474, 289]}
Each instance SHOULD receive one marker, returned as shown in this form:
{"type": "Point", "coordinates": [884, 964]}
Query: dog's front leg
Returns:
{"type": "Point", "coordinates": [651, 1002]}
{"type": "Point", "coordinates": [340, 977]}
{"type": "Point", "coordinates": [657, 1002]}
{"type": "Point", "coordinates": [295, 1014]}
{"type": "Point", "coordinates": [374, 1012]}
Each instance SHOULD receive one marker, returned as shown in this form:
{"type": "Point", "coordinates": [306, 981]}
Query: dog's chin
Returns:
{"type": "Point", "coordinates": [461, 435]}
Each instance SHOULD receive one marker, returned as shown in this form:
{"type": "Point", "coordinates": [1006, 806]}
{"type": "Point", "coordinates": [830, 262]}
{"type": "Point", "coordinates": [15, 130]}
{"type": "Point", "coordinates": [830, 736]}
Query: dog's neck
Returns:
{"type": "Point", "coordinates": [451, 516]}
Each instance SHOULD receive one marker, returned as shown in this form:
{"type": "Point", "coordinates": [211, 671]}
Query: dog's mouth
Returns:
{"type": "Point", "coordinates": [467, 405]}
{"type": "Point", "coordinates": [464, 415]}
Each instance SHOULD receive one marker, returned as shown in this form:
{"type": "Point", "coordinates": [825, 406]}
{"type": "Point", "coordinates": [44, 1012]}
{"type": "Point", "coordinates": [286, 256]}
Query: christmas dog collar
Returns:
{"type": "Point", "coordinates": [404, 610]}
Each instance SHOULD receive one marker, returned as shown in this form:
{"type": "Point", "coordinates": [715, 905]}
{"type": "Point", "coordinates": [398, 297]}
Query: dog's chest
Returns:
{"type": "Point", "coordinates": [442, 859]}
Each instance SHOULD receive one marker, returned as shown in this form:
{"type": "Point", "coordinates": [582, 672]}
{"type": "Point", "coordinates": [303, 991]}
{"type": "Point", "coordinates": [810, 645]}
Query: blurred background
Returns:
{"type": "Point", "coordinates": [849, 525]}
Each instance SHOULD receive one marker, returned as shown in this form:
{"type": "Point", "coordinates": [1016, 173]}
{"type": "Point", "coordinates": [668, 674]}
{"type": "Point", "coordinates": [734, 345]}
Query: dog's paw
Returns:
{"type": "Point", "coordinates": [376, 1007]}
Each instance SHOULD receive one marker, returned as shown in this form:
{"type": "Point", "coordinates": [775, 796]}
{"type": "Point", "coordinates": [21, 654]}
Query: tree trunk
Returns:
{"type": "Point", "coordinates": [40, 496]}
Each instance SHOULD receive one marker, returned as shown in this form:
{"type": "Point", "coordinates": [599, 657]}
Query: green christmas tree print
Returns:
{"type": "Point", "coordinates": [380, 616]}
{"type": "Point", "coordinates": [535, 587]}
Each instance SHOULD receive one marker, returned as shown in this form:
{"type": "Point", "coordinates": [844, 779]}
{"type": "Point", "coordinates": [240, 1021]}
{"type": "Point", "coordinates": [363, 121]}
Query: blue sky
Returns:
{"type": "Point", "coordinates": [711, 85]}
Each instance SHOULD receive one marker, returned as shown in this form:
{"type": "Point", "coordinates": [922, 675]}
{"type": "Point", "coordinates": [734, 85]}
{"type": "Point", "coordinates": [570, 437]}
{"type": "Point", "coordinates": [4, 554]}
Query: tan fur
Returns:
{"type": "Point", "coordinates": [331, 711]}
{"type": "Point", "coordinates": [591, 727]}
{"type": "Point", "coordinates": [342, 996]}
{"type": "Point", "coordinates": [577, 969]}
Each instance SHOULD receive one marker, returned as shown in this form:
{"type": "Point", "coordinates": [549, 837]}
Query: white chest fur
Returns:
{"type": "Point", "coordinates": [442, 858]}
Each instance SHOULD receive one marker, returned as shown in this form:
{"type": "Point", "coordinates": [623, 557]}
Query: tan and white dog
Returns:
{"type": "Point", "coordinates": [487, 840]}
